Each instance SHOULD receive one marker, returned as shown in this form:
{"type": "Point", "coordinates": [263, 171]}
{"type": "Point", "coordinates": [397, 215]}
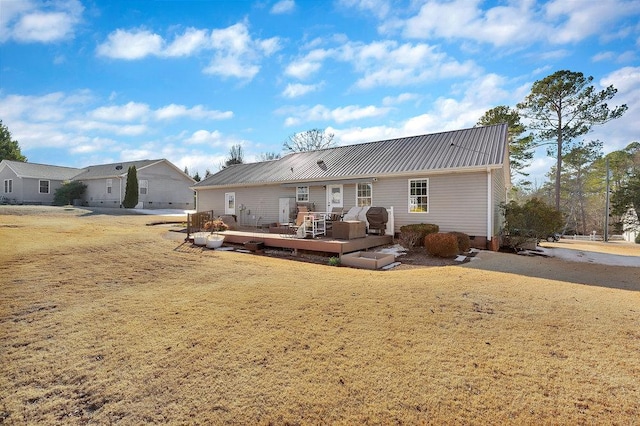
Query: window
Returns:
{"type": "Point", "coordinates": [143, 187]}
{"type": "Point", "coordinates": [8, 186]}
{"type": "Point", "coordinates": [44, 186]}
{"type": "Point", "coordinates": [418, 195]}
{"type": "Point", "coordinates": [109, 185]}
{"type": "Point", "coordinates": [364, 194]}
{"type": "Point", "coordinates": [302, 194]}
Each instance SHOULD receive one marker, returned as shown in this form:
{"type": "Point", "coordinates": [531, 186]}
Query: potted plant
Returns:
{"type": "Point", "coordinates": [214, 239]}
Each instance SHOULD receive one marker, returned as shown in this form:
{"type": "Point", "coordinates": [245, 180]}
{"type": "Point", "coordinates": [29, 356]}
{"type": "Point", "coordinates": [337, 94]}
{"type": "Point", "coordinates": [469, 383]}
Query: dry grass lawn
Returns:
{"type": "Point", "coordinates": [105, 320]}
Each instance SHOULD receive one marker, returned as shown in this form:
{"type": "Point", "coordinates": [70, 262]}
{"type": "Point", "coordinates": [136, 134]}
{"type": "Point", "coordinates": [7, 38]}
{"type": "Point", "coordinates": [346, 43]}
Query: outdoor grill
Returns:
{"type": "Point", "coordinates": [377, 218]}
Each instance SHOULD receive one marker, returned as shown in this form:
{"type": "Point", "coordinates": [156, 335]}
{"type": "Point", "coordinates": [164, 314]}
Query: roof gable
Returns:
{"type": "Point", "coordinates": [113, 170]}
{"type": "Point", "coordinates": [41, 171]}
{"type": "Point", "coordinates": [453, 150]}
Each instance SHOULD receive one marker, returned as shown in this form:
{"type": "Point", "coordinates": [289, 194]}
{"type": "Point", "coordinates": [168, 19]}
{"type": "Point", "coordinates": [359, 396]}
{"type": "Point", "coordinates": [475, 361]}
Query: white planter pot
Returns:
{"type": "Point", "coordinates": [215, 241]}
{"type": "Point", "coordinates": [200, 238]}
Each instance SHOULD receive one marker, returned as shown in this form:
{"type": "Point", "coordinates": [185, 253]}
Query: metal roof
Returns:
{"type": "Point", "coordinates": [477, 147]}
{"type": "Point", "coordinates": [41, 171]}
{"type": "Point", "coordinates": [114, 170]}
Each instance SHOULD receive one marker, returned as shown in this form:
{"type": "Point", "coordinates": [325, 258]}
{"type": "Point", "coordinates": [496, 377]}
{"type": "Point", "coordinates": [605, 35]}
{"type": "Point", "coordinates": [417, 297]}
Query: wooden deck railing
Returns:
{"type": "Point", "coordinates": [196, 221]}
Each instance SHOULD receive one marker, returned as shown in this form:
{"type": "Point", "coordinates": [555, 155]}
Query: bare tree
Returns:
{"type": "Point", "coordinates": [310, 140]}
{"type": "Point", "coordinates": [235, 156]}
{"type": "Point", "coordinates": [267, 156]}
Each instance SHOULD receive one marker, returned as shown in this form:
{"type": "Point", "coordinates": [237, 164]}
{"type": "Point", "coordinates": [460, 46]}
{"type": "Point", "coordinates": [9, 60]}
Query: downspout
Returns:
{"type": "Point", "coordinates": [489, 208]}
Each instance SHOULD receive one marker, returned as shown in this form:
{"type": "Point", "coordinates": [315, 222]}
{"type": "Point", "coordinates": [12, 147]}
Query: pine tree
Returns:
{"type": "Point", "coordinates": [131, 191]}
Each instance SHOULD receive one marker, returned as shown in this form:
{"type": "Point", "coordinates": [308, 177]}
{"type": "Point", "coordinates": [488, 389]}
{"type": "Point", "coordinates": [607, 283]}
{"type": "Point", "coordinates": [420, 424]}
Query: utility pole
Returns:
{"type": "Point", "coordinates": [606, 207]}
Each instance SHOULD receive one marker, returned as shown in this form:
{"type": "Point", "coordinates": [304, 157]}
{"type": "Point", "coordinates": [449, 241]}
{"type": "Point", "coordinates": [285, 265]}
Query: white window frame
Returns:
{"type": "Point", "coordinates": [413, 197]}
{"type": "Point", "coordinates": [302, 196]}
{"type": "Point", "coordinates": [109, 186]}
{"type": "Point", "coordinates": [8, 186]}
{"type": "Point", "coordinates": [360, 198]}
{"type": "Point", "coordinates": [143, 187]}
{"type": "Point", "coordinates": [40, 186]}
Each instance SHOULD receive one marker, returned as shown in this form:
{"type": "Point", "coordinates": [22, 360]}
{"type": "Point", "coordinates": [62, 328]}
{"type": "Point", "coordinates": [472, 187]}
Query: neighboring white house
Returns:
{"type": "Point", "coordinates": [455, 179]}
{"type": "Point", "coordinates": [630, 227]}
{"type": "Point", "coordinates": [161, 184]}
{"type": "Point", "coordinates": [31, 183]}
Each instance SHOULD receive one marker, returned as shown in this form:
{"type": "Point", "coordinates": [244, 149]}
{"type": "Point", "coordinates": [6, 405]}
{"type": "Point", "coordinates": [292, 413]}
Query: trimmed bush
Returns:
{"type": "Point", "coordinates": [464, 242]}
{"type": "Point", "coordinates": [441, 245]}
{"type": "Point", "coordinates": [413, 235]}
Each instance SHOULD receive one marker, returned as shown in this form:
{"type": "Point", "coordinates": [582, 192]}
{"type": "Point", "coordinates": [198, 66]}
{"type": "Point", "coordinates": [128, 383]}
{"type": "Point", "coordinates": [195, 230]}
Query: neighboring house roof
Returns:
{"type": "Point", "coordinates": [475, 148]}
{"type": "Point", "coordinates": [114, 170]}
{"type": "Point", "coordinates": [40, 171]}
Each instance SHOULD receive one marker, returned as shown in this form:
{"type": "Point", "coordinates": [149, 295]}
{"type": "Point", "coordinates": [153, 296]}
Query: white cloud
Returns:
{"type": "Point", "coordinates": [283, 6]}
{"type": "Point", "coordinates": [309, 64]}
{"type": "Point", "coordinates": [135, 44]}
{"type": "Point", "coordinates": [200, 137]}
{"type": "Point", "coordinates": [617, 134]}
{"type": "Point", "coordinates": [35, 22]}
{"type": "Point", "coordinates": [515, 23]}
{"type": "Point", "coordinates": [379, 8]}
{"type": "Point", "coordinates": [385, 63]}
{"type": "Point", "coordinates": [399, 99]}
{"type": "Point", "coordinates": [128, 112]}
{"type": "Point", "coordinates": [338, 115]}
{"type": "Point", "coordinates": [234, 52]}
{"type": "Point", "coordinates": [188, 43]}
{"type": "Point", "coordinates": [197, 112]}
{"type": "Point", "coordinates": [297, 89]}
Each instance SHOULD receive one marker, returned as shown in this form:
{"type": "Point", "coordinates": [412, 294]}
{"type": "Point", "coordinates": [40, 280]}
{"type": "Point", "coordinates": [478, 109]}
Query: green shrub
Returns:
{"type": "Point", "coordinates": [441, 245]}
{"type": "Point", "coordinates": [464, 242]}
{"type": "Point", "coordinates": [334, 261]}
{"type": "Point", "coordinates": [413, 235]}
{"type": "Point", "coordinates": [532, 220]}
{"type": "Point", "coordinates": [68, 192]}
{"type": "Point", "coordinates": [638, 239]}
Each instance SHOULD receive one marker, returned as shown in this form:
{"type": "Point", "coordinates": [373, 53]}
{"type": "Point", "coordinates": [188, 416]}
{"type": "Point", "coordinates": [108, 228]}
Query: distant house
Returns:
{"type": "Point", "coordinates": [161, 184]}
{"type": "Point", "coordinates": [31, 183]}
{"type": "Point", "coordinates": [455, 179]}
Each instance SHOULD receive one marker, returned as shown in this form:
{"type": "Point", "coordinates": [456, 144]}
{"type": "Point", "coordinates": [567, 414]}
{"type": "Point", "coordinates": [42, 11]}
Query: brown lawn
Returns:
{"type": "Point", "coordinates": [105, 320]}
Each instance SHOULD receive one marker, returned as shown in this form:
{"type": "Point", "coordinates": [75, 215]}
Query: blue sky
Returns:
{"type": "Point", "coordinates": [88, 82]}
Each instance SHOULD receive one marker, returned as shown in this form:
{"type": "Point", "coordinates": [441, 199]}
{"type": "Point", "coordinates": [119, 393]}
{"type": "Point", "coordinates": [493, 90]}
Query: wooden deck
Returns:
{"type": "Point", "coordinates": [320, 244]}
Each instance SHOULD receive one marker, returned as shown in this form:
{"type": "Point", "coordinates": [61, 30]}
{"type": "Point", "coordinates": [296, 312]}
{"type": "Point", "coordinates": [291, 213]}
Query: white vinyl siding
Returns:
{"type": "Point", "coordinates": [457, 202]}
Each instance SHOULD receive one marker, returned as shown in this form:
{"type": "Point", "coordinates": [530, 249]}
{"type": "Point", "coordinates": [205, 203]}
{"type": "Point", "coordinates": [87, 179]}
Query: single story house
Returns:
{"type": "Point", "coordinates": [455, 179]}
{"type": "Point", "coordinates": [31, 183]}
{"type": "Point", "coordinates": [161, 184]}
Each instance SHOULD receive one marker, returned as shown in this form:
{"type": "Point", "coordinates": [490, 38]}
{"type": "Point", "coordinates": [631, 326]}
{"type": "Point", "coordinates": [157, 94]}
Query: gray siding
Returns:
{"type": "Point", "coordinates": [27, 190]}
{"type": "Point", "coordinates": [96, 193]}
{"type": "Point", "coordinates": [260, 202]}
{"type": "Point", "coordinates": [168, 189]}
{"type": "Point", "coordinates": [499, 197]}
{"type": "Point", "coordinates": [457, 202]}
